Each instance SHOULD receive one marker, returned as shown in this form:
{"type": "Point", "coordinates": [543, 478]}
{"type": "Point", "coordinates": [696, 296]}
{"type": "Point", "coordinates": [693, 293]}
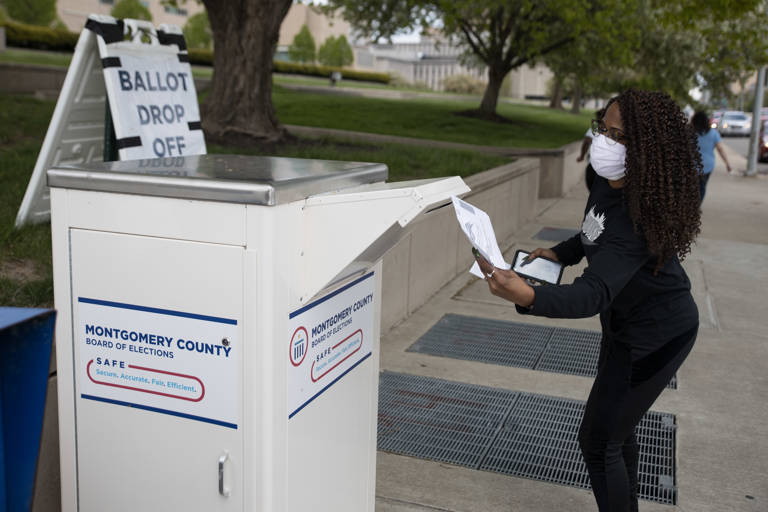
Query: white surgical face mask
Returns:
{"type": "Point", "coordinates": [607, 158]}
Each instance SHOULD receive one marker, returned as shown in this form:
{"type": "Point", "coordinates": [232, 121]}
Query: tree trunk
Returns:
{"type": "Point", "coordinates": [557, 94]}
{"type": "Point", "coordinates": [576, 100]}
{"type": "Point", "coordinates": [239, 107]}
{"type": "Point", "coordinates": [496, 76]}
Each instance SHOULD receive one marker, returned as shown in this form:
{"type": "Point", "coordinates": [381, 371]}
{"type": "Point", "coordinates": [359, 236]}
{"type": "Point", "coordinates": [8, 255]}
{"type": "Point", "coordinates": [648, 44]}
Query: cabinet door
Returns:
{"type": "Point", "coordinates": [158, 364]}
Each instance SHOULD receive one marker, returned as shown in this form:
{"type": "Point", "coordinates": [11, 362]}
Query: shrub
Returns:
{"type": "Point", "coordinates": [302, 48]}
{"type": "Point", "coordinates": [201, 57]}
{"type": "Point", "coordinates": [205, 58]}
{"type": "Point", "coordinates": [58, 25]}
{"type": "Point", "coordinates": [197, 31]}
{"type": "Point", "coordinates": [33, 12]}
{"type": "Point", "coordinates": [464, 84]}
{"type": "Point", "coordinates": [130, 9]}
{"type": "Point", "coordinates": [40, 38]}
{"type": "Point", "coordinates": [325, 72]}
{"type": "Point", "coordinates": [397, 81]}
{"type": "Point", "coordinates": [335, 52]}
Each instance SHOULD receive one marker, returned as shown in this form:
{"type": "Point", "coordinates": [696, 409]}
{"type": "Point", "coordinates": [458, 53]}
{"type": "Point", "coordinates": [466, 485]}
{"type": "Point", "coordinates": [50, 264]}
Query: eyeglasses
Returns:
{"type": "Point", "coordinates": [613, 135]}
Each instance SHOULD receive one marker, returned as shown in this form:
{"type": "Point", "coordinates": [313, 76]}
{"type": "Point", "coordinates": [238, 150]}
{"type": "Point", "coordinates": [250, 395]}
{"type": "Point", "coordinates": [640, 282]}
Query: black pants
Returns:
{"type": "Point", "coordinates": [623, 392]}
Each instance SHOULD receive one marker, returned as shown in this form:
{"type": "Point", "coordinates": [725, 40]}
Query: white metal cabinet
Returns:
{"type": "Point", "coordinates": [252, 250]}
{"type": "Point", "coordinates": [144, 450]}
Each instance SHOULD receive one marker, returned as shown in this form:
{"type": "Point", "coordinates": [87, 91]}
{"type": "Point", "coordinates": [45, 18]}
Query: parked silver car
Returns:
{"type": "Point", "coordinates": [735, 123]}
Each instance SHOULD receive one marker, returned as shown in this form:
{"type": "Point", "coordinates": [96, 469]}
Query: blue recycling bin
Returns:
{"type": "Point", "coordinates": [26, 336]}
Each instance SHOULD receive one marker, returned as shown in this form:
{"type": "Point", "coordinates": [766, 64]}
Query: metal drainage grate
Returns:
{"type": "Point", "coordinates": [520, 434]}
{"type": "Point", "coordinates": [571, 351]}
{"type": "Point", "coordinates": [575, 352]}
{"type": "Point", "coordinates": [555, 234]}
{"type": "Point", "coordinates": [535, 347]}
{"type": "Point", "coordinates": [484, 340]}
{"type": "Point", "coordinates": [539, 440]}
{"type": "Point", "coordinates": [438, 419]}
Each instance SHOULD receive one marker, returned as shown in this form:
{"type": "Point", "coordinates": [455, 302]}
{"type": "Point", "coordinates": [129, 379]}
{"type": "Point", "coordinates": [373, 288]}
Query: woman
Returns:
{"type": "Point", "coordinates": [708, 140]}
{"type": "Point", "coordinates": [642, 215]}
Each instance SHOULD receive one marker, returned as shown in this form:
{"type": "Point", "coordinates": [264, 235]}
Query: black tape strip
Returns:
{"type": "Point", "coordinates": [109, 32]}
{"type": "Point", "coordinates": [111, 62]}
{"type": "Point", "coordinates": [183, 57]}
{"type": "Point", "coordinates": [195, 125]}
{"type": "Point", "coordinates": [128, 142]}
{"type": "Point", "coordinates": [177, 39]}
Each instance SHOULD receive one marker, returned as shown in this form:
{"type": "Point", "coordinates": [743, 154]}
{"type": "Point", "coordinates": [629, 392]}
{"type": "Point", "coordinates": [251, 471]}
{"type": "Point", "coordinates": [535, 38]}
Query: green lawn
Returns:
{"type": "Point", "coordinates": [25, 255]}
{"type": "Point", "coordinates": [24, 56]}
{"type": "Point", "coordinates": [23, 122]}
{"type": "Point", "coordinates": [530, 126]}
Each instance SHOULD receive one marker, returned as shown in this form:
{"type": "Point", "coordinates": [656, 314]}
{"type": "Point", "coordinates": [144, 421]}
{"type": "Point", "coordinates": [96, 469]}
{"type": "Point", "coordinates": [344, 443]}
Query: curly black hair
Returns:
{"type": "Point", "coordinates": [700, 122]}
{"type": "Point", "coordinates": [663, 165]}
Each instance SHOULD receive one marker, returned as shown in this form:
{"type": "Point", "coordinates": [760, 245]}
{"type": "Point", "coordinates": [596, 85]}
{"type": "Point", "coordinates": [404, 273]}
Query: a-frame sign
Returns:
{"type": "Point", "coordinates": [128, 94]}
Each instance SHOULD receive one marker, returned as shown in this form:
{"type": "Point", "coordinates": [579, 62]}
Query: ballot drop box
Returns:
{"type": "Point", "coordinates": [218, 332]}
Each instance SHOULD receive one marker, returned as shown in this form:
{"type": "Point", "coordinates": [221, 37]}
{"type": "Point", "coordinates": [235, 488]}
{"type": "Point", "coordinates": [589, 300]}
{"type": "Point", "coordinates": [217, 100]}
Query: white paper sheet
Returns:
{"type": "Point", "coordinates": [477, 226]}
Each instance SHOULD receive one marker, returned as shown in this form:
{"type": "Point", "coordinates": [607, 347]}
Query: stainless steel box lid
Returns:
{"type": "Point", "coordinates": [229, 178]}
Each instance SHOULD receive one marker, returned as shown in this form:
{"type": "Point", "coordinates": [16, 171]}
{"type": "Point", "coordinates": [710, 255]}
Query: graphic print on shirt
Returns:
{"type": "Point", "coordinates": [593, 225]}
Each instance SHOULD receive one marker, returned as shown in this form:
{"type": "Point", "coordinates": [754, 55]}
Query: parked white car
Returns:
{"type": "Point", "coordinates": [735, 123]}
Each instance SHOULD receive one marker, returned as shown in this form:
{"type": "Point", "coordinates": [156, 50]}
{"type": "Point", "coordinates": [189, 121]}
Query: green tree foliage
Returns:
{"type": "Point", "coordinates": [502, 34]}
{"type": "Point", "coordinates": [197, 31]}
{"type": "Point", "coordinates": [587, 66]}
{"type": "Point", "coordinates": [130, 9]}
{"type": "Point", "coordinates": [33, 12]}
{"type": "Point", "coordinates": [335, 52]}
{"type": "Point", "coordinates": [689, 13]}
{"type": "Point", "coordinates": [302, 47]}
{"type": "Point", "coordinates": [594, 47]}
{"type": "Point", "coordinates": [673, 46]}
{"type": "Point", "coordinates": [733, 50]}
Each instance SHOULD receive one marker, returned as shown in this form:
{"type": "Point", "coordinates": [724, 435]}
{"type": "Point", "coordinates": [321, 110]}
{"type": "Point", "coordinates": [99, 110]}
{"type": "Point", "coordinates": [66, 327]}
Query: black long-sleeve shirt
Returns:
{"type": "Point", "coordinates": [636, 307]}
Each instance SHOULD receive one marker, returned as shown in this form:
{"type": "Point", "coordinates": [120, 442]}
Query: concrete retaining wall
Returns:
{"type": "Point", "coordinates": [560, 171]}
{"type": "Point", "coordinates": [27, 78]}
{"type": "Point", "coordinates": [436, 250]}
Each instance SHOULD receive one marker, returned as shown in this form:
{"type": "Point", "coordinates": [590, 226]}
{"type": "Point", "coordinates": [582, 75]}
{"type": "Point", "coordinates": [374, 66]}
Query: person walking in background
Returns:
{"type": "Point", "coordinates": [641, 218]}
{"type": "Point", "coordinates": [709, 140]}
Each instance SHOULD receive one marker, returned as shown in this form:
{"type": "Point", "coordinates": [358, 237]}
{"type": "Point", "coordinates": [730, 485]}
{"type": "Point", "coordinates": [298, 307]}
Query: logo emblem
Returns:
{"type": "Point", "coordinates": [298, 347]}
{"type": "Point", "coordinates": [594, 225]}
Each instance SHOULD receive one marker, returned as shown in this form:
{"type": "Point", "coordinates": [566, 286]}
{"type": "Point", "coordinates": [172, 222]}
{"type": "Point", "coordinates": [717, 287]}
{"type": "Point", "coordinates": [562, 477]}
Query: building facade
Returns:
{"type": "Point", "coordinates": [427, 62]}
{"type": "Point", "coordinates": [74, 12]}
{"type": "Point", "coordinates": [433, 59]}
{"type": "Point", "coordinates": [320, 26]}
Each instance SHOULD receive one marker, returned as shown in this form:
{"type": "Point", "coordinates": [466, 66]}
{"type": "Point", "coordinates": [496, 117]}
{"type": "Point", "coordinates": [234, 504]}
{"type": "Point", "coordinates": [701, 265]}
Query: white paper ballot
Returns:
{"type": "Point", "coordinates": [477, 226]}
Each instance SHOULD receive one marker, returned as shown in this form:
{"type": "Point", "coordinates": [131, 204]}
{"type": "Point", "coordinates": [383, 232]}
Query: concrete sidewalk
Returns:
{"type": "Point", "coordinates": [720, 403]}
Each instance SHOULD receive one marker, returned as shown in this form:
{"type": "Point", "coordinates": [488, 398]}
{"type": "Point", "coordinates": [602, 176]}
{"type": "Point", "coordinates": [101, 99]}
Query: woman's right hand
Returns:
{"type": "Point", "coordinates": [547, 253]}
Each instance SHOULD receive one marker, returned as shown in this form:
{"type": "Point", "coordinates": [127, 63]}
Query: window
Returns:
{"type": "Point", "coordinates": [175, 10]}
{"type": "Point", "coordinates": [144, 3]}
{"type": "Point", "coordinates": [735, 117]}
{"type": "Point", "coordinates": [110, 2]}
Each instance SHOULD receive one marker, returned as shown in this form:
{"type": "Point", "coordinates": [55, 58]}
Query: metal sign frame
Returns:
{"type": "Point", "coordinates": [77, 131]}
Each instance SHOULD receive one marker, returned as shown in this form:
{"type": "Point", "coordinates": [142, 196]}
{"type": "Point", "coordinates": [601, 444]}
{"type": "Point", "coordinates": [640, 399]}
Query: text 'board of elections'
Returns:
{"type": "Point", "coordinates": [327, 339]}
{"type": "Point", "coordinates": [171, 362]}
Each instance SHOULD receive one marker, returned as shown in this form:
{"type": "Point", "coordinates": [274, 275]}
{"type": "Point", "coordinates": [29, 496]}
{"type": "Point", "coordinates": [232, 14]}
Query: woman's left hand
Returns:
{"type": "Point", "coordinates": [506, 284]}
